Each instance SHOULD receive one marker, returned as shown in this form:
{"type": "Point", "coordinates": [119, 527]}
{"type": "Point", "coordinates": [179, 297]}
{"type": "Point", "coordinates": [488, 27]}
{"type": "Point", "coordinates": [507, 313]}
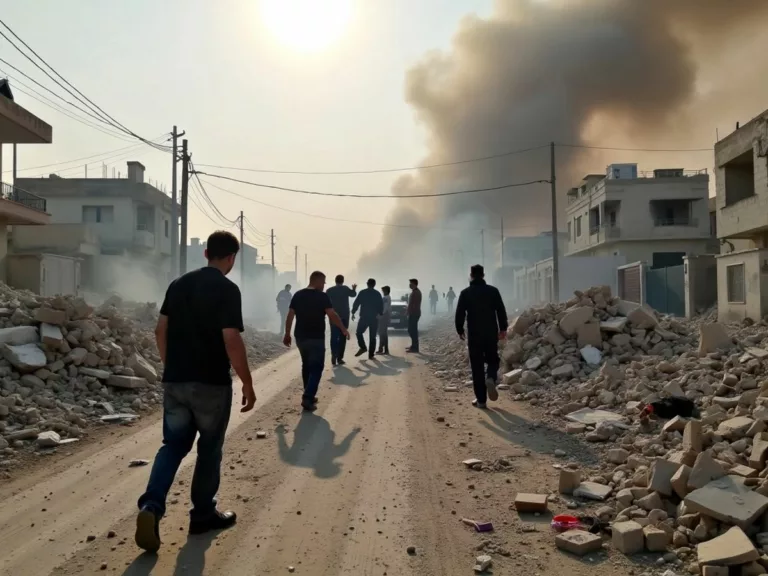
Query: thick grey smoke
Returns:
{"type": "Point", "coordinates": [623, 71]}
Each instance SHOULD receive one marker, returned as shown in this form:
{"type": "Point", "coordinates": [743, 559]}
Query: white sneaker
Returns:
{"type": "Point", "coordinates": [480, 405]}
{"type": "Point", "coordinates": [493, 394]}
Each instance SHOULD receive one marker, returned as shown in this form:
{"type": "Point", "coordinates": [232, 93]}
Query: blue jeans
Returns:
{"type": "Point", "coordinates": [312, 352]}
{"type": "Point", "coordinates": [189, 409]}
{"type": "Point", "coordinates": [338, 341]}
{"type": "Point", "coordinates": [372, 326]}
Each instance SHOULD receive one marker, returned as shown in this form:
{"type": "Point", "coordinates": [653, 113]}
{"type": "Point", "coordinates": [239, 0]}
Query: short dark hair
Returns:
{"type": "Point", "coordinates": [339, 279]}
{"type": "Point", "coordinates": [371, 282]}
{"type": "Point", "coordinates": [287, 286]}
{"type": "Point", "coordinates": [477, 271]}
{"type": "Point", "coordinates": [385, 289]}
{"type": "Point", "coordinates": [414, 281]}
{"type": "Point", "coordinates": [316, 275]}
{"type": "Point", "coordinates": [221, 244]}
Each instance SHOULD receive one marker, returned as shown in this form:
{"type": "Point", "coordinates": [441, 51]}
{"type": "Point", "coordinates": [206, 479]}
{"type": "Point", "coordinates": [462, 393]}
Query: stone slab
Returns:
{"type": "Point", "coordinates": [727, 499]}
{"type": "Point", "coordinates": [662, 472]}
{"type": "Point", "coordinates": [614, 325]}
{"type": "Point", "coordinates": [127, 382]}
{"type": "Point", "coordinates": [95, 373]}
{"type": "Point", "coordinates": [574, 318]}
{"type": "Point", "coordinates": [731, 549]}
{"type": "Point", "coordinates": [26, 357]}
{"type": "Point", "coordinates": [704, 471]}
{"type": "Point", "coordinates": [18, 335]}
{"type": "Point", "coordinates": [592, 491]}
{"type": "Point", "coordinates": [51, 316]}
{"type": "Point", "coordinates": [590, 416]}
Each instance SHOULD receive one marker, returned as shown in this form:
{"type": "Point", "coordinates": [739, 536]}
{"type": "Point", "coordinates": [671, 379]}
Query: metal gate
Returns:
{"type": "Point", "coordinates": [630, 286]}
{"type": "Point", "coordinates": [665, 289]}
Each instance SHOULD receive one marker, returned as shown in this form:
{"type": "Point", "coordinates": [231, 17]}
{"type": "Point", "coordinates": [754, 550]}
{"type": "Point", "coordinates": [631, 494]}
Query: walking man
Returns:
{"type": "Point", "coordinates": [451, 296]}
{"type": "Point", "coordinates": [371, 306]}
{"type": "Point", "coordinates": [433, 299]}
{"type": "Point", "coordinates": [414, 315]}
{"type": "Point", "coordinates": [483, 309]}
{"type": "Point", "coordinates": [340, 296]}
{"type": "Point", "coordinates": [386, 316]}
{"type": "Point", "coordinates": [283, 303]}
{"type": "Point", "coordinates": [310, 306]}
{"type": "Point", "coordinates": [198, 336]}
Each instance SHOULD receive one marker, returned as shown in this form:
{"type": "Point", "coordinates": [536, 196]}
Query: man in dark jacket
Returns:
{"type": "Point", "coordinates": [340, 296]}
{"type": "Point", "coordinates": [414, 314]}
{"type": "Point", "coordinates": [483, 309]}
{"type": "Point", "coordinates": [371, 306]}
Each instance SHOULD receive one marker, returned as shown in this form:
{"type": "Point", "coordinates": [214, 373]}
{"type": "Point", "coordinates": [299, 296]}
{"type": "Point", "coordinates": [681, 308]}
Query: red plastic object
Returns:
{"type": "Point", "coordinates": [563, 522]}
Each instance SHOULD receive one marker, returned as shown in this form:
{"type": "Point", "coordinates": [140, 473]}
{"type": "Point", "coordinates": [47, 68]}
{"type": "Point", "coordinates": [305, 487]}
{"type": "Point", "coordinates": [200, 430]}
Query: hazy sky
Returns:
{"type": "Point", "coordinates": [252, 89]}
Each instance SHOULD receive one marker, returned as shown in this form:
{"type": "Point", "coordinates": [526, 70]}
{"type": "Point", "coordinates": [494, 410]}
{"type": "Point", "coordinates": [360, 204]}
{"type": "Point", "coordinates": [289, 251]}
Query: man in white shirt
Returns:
{"type": "Point", "coordinates": [384, 322]}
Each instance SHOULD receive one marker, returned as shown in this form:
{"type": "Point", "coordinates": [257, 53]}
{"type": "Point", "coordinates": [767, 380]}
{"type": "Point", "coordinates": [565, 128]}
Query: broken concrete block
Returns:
{"type": "Point", "coordinates": [713, 337]}
{"type": "Point", "coordinates": [554, 336]}
{"type": "Point", "coordinates": [564, 371]}
{"type": "Point", "coordinates": [26, 357]}
{"type": "Point", "coordinates": [49, 439]}
{"type": "Point", "coordinates": [613, 325]}
{"type": "Point", "coordinates": [727, 499]}
{"type": "Point", "coordinates": [735, 428]}
{"type": "Point", "coordinates": [692, 439]}
{"type": "Point", "coordinates": [677, 424]}
{"type": "Point", "coordinates": [674, 389]}
{"type": "Point", "coordinates": [569, 480]}
{"type": "Point", "coordinates": [642, 319]}
{"type": "Point", "coordinates": [591, 355]}
{"type": "Point", "coordinates": [628, 537]}
{"type": "Point", "coordinates": [482, 563]}
{"type": "Point", "coordinates": [715, 571]}
{"type": "Point", "coordinates": [512, 376]}
{"type": "Point", "coordinates": [533, 363]}
{"type": "Point", "coordinates": [530, 503]}
{"type": "Point", "coordinates": [743, 471]}
{"type": "Point", "coordinates": [95, 373]}
{"type": "Point", "coordinates": [759, 353]}
{"type": "Point", "coordinates": [731, 549]}
{"type": "Point", "coordinates": [574, 318]}
{"type": "Point", "coordinates": [759, 452]}
{"type": "Point", "coordinates": [617, 455]}
{"type": "Point", "coordinates": [18, 335]}
{"type": "Point", "coordinates": [704, 471]}
{"type": "Point", "coordinates": [51, 316]}
{"type": "Point", "coordinates": [679, 481]}
{"type": "Point", "coordinates": [520, 324]}
{"type": "Point", "coordinates": [656, 539]}
{"type": "Point", "coordinates": [51, 336]}
{"type": "Point", "coordinates": [142, 368]}
{"type": "Point", "coordinates": [651, 502]}
{"type": "Point", "coordinates": [579, 542]}
{"type": "Point", "coordinates": [126, 381]}
{"type": "Point", "coordinates": [592, 491]}
{"type": "Point", "coordinates": [589, 335]}
{"type": "Point", "coordinates": [662, 472]}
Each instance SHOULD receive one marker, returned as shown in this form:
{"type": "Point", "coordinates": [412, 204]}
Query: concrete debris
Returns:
{"type": "Point", "coordinates": [732, 548]}
{"type": "Point", "coordinates": [727, 499]}
{"type": "Point", "coordinates": [579, 542]}
{"type": "Point", "coordinates": [482, 563]}
{"type": "Point", "coordinates": [530, 503]}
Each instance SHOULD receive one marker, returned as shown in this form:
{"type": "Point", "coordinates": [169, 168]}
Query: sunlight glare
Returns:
{"type": "Point", "coordinates": [306, 25]}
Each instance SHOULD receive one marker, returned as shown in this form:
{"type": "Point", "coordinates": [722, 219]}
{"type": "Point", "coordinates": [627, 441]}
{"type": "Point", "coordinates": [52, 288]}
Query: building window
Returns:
{"type": "Point", "coordinates": [735, 281]}
{"type": "Point", "coordinates": [98, 214]}
{"type": "Point", "coordinates": [739, 178]}
{"type": "Point", "coordinates": [166, 228]}
{"type": "Point", "coordinates": [578, 226]}
{"type": "Point", "coordinates": [569, 232]}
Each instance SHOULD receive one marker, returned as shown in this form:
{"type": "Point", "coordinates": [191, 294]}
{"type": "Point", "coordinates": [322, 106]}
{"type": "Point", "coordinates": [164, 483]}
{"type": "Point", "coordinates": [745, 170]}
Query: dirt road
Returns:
{"type": "Point", "coordinates": [343, 491]}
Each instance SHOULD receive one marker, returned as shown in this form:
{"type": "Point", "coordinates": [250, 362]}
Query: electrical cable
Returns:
{"type": "Point", "coordinates": [204, 199]}
{"type": "Point", "coordinates": [369, 196]}
{"type": "Point", "coordinates": [634, 149]}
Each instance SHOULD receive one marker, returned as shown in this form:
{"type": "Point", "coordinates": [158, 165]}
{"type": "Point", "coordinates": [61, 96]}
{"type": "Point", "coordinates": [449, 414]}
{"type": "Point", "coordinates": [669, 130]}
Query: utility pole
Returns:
{"type": "Point", "coordinates": [184, 198]}
{"type": "Point", "coordinates": [482, 246]}
{"type": "Point", "coordinates": [242, 254]}
{"type": "Point", "coordinates": [175, 204]}
{"type": "Point", "coordinates": [272, 242]}
{"type": "Point", "coordinates": [555, 256]}
{"type": "Point", "coordinates": [502, 242]}
{"type": "Point", "coordinates": [86, 170]}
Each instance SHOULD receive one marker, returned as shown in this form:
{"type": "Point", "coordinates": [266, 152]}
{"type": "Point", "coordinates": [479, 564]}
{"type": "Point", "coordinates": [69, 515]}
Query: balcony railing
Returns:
{"type": "Point", "coordinates": [683, 221]}
{"type": "Point", "coordinates": [9, 192]}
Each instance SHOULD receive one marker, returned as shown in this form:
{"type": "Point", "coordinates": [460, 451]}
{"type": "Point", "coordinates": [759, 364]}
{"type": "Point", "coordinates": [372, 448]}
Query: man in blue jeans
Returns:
{"type": "Point", "coordinates": [310, 306]}
{"type": "Point", "coordinates": [198, 336]}
{"type": "Point", "coordinates": [340, 295]}
{"type": "Point", "coordinates": [371, 306]}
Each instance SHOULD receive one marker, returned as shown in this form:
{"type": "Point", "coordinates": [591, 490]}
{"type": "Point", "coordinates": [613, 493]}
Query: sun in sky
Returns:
{"type": "Point", "coordinates": [306, 25]}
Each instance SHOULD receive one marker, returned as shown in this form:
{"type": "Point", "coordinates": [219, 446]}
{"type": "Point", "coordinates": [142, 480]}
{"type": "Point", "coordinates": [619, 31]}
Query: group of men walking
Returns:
{"type": "Point", "coordinates": [199, 340]}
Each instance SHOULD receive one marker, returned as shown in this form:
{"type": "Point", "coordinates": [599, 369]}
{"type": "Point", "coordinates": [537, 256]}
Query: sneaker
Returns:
{"type": "Point", "coordinates": [340, 362]}
{"type": "Point", "coordinates": [480, 405]}
{"type": "Point", "coordinates": [309, 407]}
{"type": "Point", "coordinates": [493, 394]}
{"type": "Point", "coordinates": [361, 352]}
{"type": "Point", "coordinates": [148, 530]}
{"type": "Point", "coordinates": [219, 521]}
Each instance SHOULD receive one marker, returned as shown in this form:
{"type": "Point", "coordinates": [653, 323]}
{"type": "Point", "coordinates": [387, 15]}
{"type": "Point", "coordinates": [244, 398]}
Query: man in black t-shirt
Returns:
{"type": "Point", "coordinates": [310, 306]}
{"type": "Point", "coordinates": [198, 336]}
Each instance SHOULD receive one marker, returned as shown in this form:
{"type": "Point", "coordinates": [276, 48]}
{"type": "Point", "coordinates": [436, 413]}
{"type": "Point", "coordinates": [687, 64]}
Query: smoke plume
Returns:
{"type": "Point", "coordinates": [626, 72]}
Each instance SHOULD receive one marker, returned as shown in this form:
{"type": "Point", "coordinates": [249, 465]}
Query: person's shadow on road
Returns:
{"type": "Point", "coordinates": [343, 376]}
{"type": "Point", "coordinates": [313, 446]}
{"type": "Point", "coordinates": [190, 560]}
{"type": "Point", "coordinates": [142, 565]}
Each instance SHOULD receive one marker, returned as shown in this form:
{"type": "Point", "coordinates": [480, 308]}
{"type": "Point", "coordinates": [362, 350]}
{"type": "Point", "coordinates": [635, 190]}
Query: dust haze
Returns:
{"type": "Point", "coordinates": [623, 72]}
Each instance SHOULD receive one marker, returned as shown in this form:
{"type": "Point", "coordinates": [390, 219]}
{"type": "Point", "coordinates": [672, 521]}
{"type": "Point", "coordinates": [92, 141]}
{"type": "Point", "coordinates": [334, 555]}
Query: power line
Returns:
{"type": "Point", "coordinates": [30, 168]}
{"type": "Point", "coordinates": [208, 198]}
{"type": "Point", "coordinates": [256, 230]}
{"type": "Point", "coordinates": [369, 196]}
{"type": "Point", "coordinates": [634, 149]}
{"type": "Point", "coordinates": [379, 170]}
{"type": "Point", "coordinates": [220, 220]}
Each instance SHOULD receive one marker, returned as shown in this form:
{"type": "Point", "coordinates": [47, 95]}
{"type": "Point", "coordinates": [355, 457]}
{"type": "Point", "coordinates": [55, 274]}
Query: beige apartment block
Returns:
{"type": "Point", "coordinates": [655, 217]}
{"type": "Point", "coordinates": [741, 176]}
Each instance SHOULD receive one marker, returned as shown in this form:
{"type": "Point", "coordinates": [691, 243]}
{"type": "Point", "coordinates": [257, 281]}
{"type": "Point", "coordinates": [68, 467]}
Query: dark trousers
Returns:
{"type": "Point", "coordinates": [312, 352]}
{"type": "Point", "coordinates": [338, 341]}
{"type": "Point", "coordinates": [413, 331]}
{"type": "Point", "coordinates": [371, 325]}
{"type": "Point", "coordinates": [483, 352]}
{"type": "Point", "coordinates": [190, 409]}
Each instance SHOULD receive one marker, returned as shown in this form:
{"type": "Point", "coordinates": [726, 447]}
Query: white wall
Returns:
{"type": "Point", "coordinates": [583, 272]}
{"type": "Point", "coordinates": [70, 211]}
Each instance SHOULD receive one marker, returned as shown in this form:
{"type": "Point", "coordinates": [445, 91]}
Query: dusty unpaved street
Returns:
{"type": "Point", "coordinates": [343, 491]}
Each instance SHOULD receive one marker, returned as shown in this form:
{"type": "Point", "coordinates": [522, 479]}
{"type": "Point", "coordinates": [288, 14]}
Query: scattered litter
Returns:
{"type": "Point", "coordinates": [116, 418]}
{"type": "Point", "coordinates": [478, 526]}
{"type": "Point", "coordinates": [137, 462]}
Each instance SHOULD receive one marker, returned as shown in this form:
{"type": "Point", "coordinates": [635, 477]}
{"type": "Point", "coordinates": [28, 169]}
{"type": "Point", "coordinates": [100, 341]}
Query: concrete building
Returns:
{"type": "Point", "coordinates": [121, 227]}
{"type": "Point", "coordinates": [17, 205]}
{"type": "Point", "coordinates": [741, 176]}
{"type": "Point", "coordinates": [655, 217]}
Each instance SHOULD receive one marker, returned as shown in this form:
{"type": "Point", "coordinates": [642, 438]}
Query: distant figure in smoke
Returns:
{"type": "Point", "coordinates": [283, 303]}
{"type": "Point", "coordinates": [340, 296]}
{"type": "Point", "coordinates": [310, 306]}
{"type": "Point", "coordinates": [481, 306]}
{"type": "Point", "coordinates": [451, 296]}
{"type": "Point", "coordinates": [371, 306]}
{"type": "Point", "coordinates": [386, 316]}
{"type": "Point", "coordinates": [433, 298]}
{"type": "Point", "coordinates": [414, 315]}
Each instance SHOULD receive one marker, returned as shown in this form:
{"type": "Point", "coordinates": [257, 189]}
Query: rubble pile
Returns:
{"type": "Point", "coordinates": [65, 365]}
{"type": "Point", "coordinates": [690, 482]}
